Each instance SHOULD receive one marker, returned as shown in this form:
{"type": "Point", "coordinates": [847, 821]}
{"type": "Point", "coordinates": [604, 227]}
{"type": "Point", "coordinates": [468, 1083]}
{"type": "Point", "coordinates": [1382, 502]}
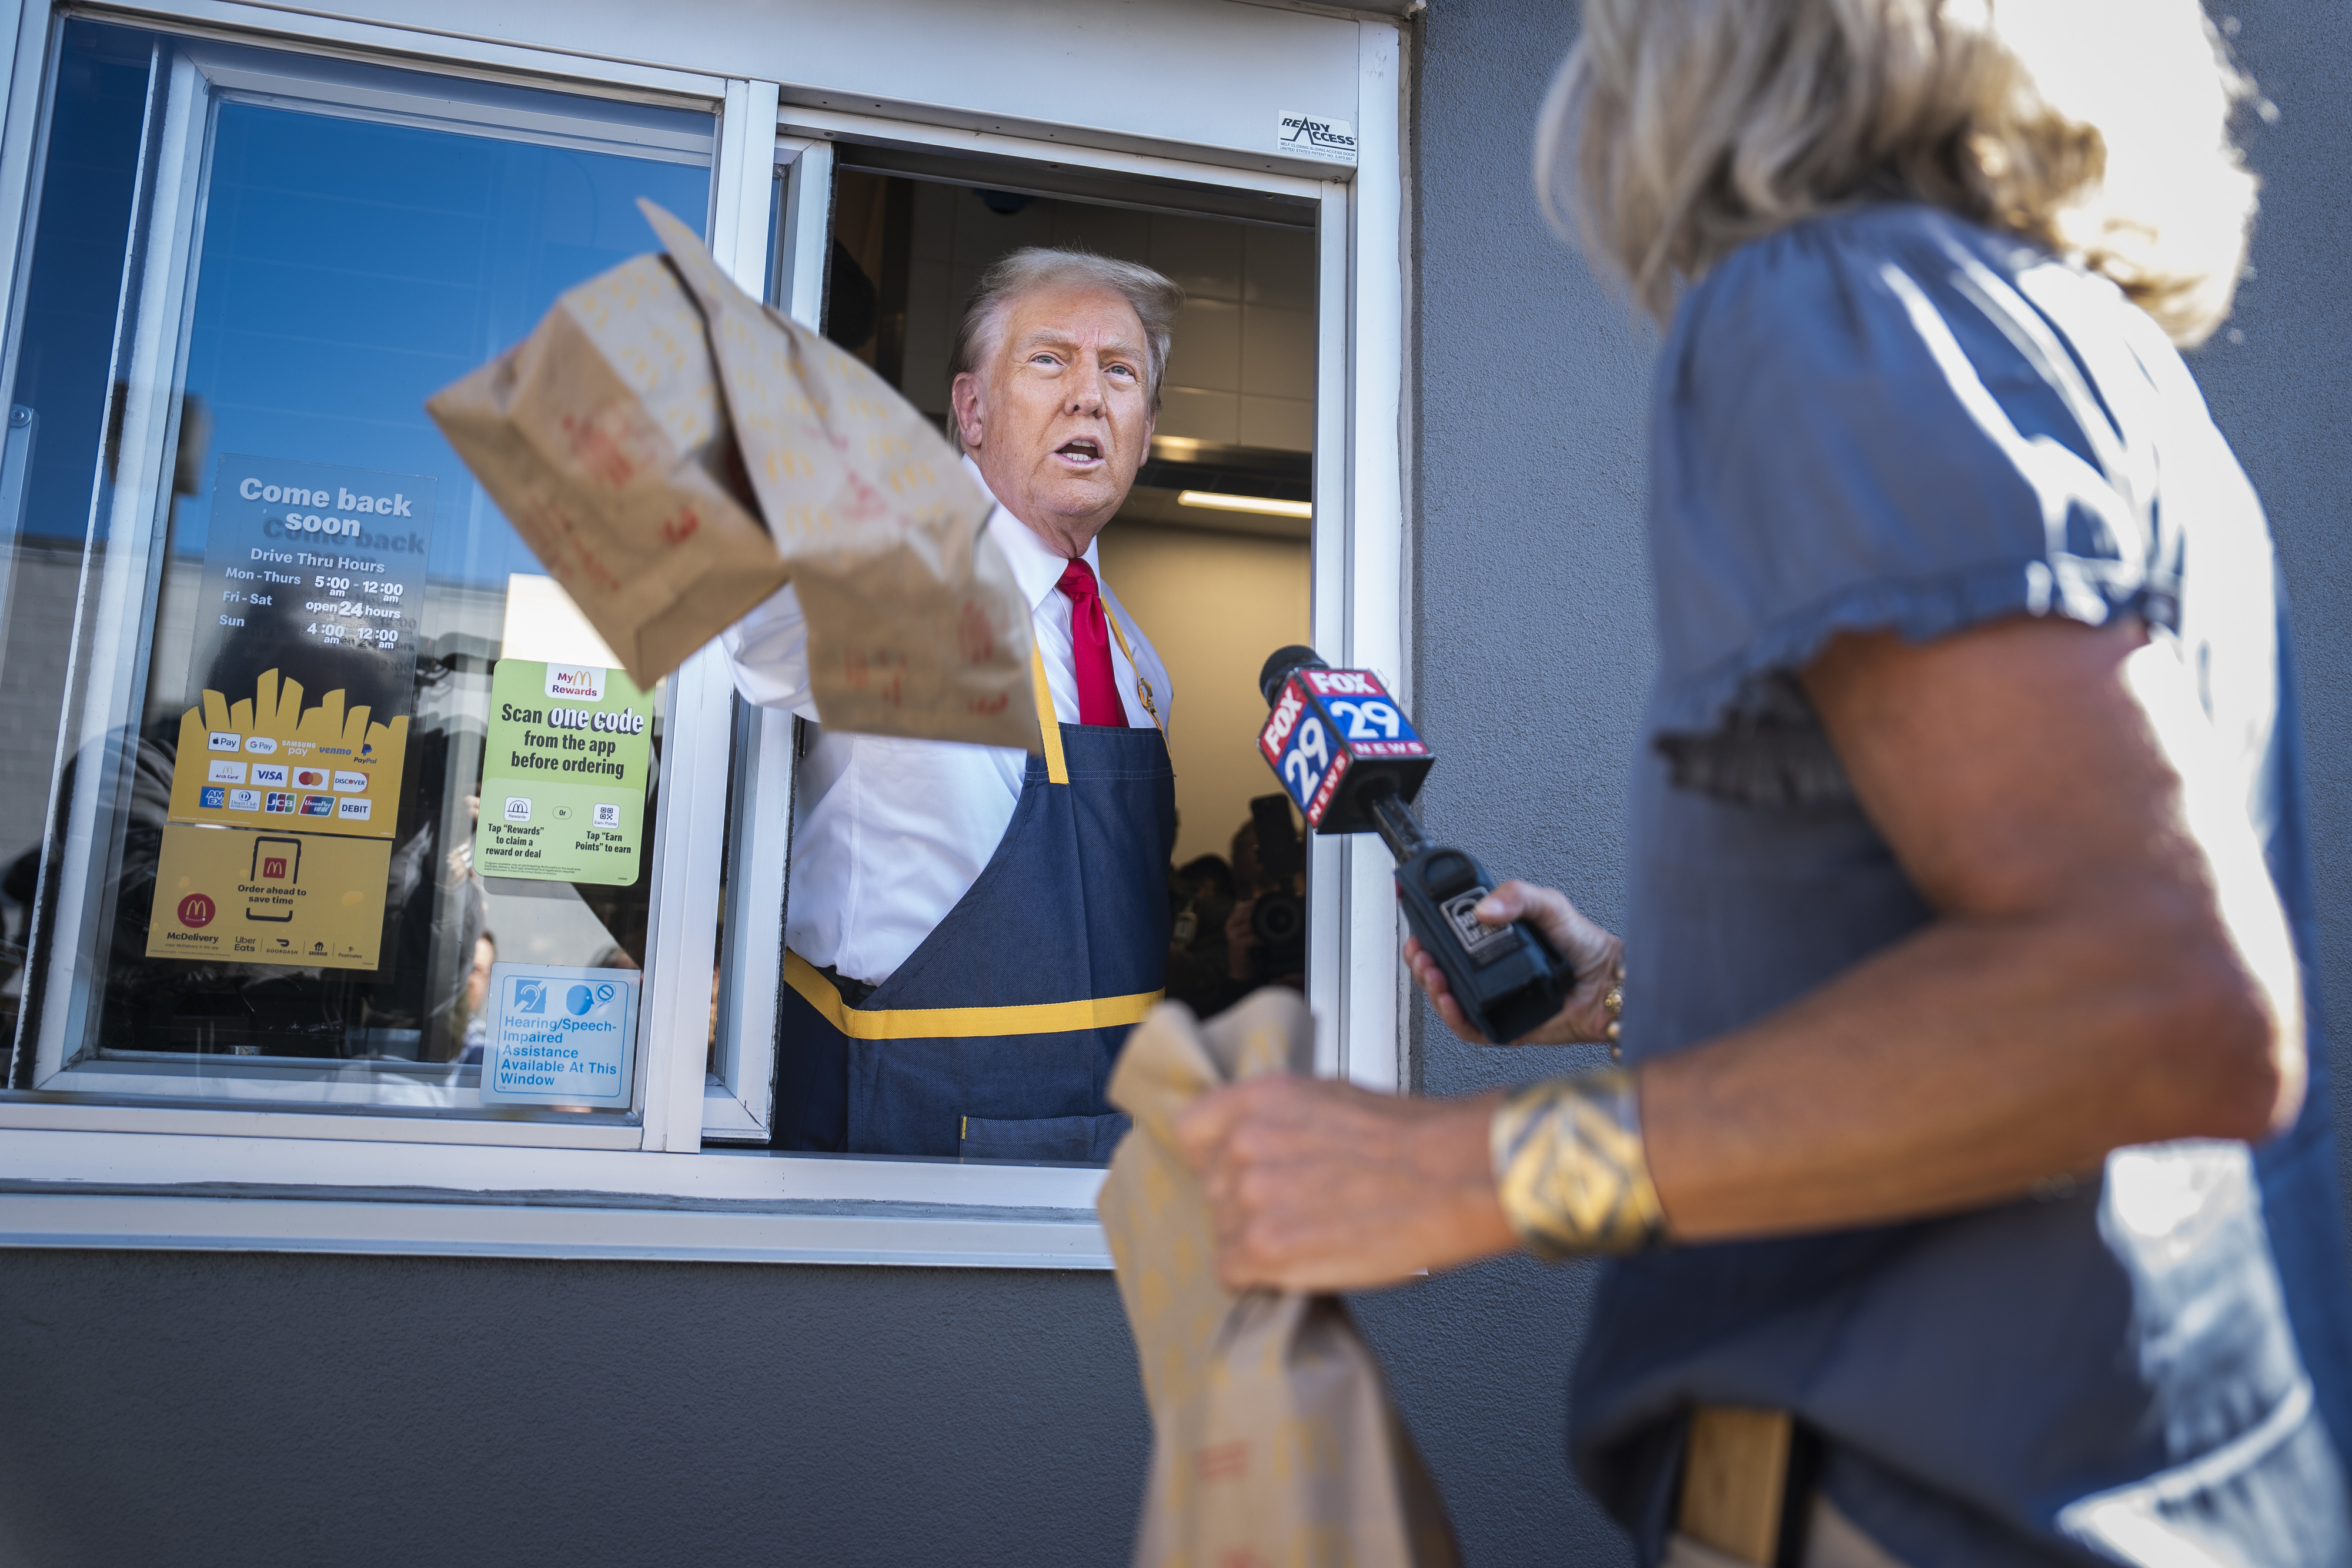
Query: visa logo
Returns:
{"type": "Point", "coordinates": [269, 773]}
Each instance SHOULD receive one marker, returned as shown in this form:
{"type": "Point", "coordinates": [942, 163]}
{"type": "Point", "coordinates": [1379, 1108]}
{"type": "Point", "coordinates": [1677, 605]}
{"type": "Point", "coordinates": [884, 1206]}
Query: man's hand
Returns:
{"type": "Point", "coordinates": [1315, 1186]}
{"type": "Point", "coordinates": [1593, 956]}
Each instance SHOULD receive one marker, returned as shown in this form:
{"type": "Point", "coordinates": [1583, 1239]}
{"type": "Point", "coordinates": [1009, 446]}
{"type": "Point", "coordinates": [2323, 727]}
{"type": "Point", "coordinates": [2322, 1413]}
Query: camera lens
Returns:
{"type": "Point", "coordinates": [1278, 919]}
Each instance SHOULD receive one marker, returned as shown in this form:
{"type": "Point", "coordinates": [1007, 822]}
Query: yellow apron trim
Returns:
{"type": "Point", "coordinates": [1143, 686]}
{"type": "Point", "coordinates": [961, 1023]}
{"type": "Point", "coordinates": [1049, 726]}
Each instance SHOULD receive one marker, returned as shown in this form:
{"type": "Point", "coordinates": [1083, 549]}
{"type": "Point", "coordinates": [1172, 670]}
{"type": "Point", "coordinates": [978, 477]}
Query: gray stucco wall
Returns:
{"type": "Point", "coordinates": [2280, 386]}
{"type": "Point", "coordinates": [262, 1410]}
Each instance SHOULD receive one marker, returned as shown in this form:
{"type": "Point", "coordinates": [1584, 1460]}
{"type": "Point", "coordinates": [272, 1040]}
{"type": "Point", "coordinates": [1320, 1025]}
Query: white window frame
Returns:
{"type": "Point", "coordinates": [205, 72]}
{"type": "Point", "coordinates": [243, 1178]}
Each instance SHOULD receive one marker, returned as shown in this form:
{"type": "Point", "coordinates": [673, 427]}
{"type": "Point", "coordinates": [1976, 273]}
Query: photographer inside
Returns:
{"type": "Point", "coordinates": [1970, 1157]}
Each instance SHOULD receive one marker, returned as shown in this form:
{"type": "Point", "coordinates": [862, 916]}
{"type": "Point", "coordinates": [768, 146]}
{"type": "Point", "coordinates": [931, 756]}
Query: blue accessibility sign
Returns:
{"type": "Point", "coordinates": [560, 1036]}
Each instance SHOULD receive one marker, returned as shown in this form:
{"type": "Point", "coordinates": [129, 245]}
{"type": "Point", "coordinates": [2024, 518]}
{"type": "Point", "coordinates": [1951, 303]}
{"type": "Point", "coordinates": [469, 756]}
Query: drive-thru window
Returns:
{"type": "Point", "coordinates": [315, 779]}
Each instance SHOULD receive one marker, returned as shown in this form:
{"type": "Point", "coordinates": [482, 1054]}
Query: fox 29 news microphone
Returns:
{"type": "Point", "coordinates": [1350, 760]}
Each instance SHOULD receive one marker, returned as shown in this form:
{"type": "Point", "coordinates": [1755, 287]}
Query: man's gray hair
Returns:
{"type": "Point", "coordinates": [1156, 301]}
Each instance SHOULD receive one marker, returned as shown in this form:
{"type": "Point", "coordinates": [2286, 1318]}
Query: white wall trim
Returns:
{"type": "Point", "coordinates": [227, 1194]}
{"type": "Point", "coordinates": [1108, 62]}
{"type": "Point", "coordinates": [377, 43]}
{"type": "Point", "coordinates": [150, 1163]}
{"type": "Point", "coordinates": [154, 1222]}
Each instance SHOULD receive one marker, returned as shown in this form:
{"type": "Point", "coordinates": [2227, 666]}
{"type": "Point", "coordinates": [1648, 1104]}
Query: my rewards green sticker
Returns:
{"type": "Point", "coordinates": [563, 774]}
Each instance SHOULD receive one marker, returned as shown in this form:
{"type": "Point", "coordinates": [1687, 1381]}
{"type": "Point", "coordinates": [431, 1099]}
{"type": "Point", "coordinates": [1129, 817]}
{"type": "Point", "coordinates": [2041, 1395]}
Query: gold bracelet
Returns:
{"type": "Point", "coordinates": [1613, 1003]}
{"type": "Point", "coordinates": [1570, 1167]}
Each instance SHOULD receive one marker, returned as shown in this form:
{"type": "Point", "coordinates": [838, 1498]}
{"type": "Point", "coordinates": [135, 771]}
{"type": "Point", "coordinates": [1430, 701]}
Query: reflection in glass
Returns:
{"type": "Point", "coordinates": [242, 290]}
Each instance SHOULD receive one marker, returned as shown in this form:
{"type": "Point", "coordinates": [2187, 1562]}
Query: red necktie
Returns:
{"type": "Point", "coordinates": [1091, 642]}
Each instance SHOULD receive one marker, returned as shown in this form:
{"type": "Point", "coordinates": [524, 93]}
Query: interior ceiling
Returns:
{"type": "Point", "coordinates": [1176, 466]}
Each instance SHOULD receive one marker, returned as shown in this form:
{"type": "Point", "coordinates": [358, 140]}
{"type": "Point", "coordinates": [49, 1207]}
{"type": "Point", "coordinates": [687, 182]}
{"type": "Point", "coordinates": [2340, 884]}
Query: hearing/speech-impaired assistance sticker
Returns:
{"type": "Point", "coordinates": [1316, 136]}
{"type": "Point", "coordinates": [560, 1035]}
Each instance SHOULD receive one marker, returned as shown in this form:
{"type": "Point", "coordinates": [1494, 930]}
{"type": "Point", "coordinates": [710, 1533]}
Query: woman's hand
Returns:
{"type": "Point", "coordinates": [1317, 1185]}
{"type": "Point", "coordinates": [1594, 956]}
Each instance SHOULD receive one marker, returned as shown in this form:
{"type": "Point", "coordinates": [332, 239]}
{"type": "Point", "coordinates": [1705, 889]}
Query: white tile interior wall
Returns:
{"type": "Point", "coordinates": [1242, 368]}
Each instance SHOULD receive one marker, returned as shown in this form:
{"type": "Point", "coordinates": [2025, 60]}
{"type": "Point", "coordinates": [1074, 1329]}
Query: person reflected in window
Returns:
{"type": "Point", "coordinates": [1201, 893]}
{"type": "Point", "coordinates": [973, 931]}
{"type": "Point", "coordinates": [477, 999]}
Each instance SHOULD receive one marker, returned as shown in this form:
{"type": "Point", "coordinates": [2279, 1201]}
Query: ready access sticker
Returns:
{"type": "Point", "coordinates": [560, 1035]}
{"type": "Point", "coordinates": [1316, 136]}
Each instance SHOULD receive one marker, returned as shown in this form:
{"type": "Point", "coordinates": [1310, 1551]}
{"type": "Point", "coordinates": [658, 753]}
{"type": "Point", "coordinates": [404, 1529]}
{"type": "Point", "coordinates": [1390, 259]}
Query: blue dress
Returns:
{"type": "Point", "coordinates": [1891, 418]}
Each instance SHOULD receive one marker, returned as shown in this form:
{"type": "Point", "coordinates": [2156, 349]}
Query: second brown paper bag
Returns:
{"type": "Point", "coordinates": [1275, 1441]}
{"type": "Point", "coordinates": [673, 453]}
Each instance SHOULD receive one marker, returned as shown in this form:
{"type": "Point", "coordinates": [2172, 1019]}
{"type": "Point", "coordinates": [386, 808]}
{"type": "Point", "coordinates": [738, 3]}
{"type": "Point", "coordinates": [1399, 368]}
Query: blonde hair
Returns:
{"type": "Point", "coordinates": [1678, 129]}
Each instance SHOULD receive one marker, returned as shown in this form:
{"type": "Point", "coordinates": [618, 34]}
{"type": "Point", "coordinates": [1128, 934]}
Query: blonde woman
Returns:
{"type": "Point", "coordinates": [1971, 1151]}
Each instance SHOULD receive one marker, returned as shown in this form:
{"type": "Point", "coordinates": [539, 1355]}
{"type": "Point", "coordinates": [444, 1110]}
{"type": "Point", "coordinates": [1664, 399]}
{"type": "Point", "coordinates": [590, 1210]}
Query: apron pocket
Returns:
{"type": "Point", "coordinates": [1080, 1140]}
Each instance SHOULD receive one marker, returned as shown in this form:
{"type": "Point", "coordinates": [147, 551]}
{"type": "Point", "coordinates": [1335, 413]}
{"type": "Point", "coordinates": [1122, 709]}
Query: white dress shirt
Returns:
{"type": "Point", "coordinates": [893, 832]}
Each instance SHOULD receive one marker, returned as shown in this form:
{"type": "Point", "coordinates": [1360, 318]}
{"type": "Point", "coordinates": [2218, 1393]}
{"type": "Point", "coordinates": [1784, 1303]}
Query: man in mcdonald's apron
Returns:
{"type": "Point", "coordinates": [973, 931]}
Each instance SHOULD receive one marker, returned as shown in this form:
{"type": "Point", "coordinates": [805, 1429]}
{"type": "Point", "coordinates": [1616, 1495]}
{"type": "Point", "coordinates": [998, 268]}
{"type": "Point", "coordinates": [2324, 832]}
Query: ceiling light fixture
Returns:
{"type": "Point", "coordinates": [1220, 503]}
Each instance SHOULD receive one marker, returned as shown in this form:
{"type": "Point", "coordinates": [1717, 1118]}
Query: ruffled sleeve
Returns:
{"type": "Point", "coordinates": [1878, 422]}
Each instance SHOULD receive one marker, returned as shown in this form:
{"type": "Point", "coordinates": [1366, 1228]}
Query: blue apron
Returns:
{"type": "Point", "coordinates": [995, 1038]}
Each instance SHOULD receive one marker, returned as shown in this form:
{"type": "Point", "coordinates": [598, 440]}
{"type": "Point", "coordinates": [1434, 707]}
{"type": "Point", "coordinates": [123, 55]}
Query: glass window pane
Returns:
{"type": "Point", "coordinates": [319, 687]}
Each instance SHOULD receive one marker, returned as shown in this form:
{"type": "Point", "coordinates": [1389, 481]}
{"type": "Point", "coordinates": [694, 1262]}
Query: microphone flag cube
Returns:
{"type": "Point", "coordinates": [1331, 733]}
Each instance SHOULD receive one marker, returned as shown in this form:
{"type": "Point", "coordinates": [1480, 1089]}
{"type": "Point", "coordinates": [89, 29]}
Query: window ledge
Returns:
{"type": "Point", "coordinates": [568, 1226]}
{"type": "Point", "coordinates": [285, 1195]}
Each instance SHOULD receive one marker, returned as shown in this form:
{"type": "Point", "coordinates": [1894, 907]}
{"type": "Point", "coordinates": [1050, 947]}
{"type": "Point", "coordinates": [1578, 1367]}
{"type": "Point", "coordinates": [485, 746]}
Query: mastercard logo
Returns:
{"type": "Point", "coordinates": [308, 777]}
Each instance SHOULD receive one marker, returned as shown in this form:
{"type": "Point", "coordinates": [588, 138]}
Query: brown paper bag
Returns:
{"type": "Point", "coordinates": [674, 452]}
{"type": "Point", "coordinates": [1274, 1442]}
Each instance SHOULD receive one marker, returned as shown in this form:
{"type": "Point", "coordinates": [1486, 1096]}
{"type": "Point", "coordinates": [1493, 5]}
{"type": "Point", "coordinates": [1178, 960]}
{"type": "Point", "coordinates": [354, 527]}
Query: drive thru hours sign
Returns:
{"type": "Point", "coordinates": [560, 1035]}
